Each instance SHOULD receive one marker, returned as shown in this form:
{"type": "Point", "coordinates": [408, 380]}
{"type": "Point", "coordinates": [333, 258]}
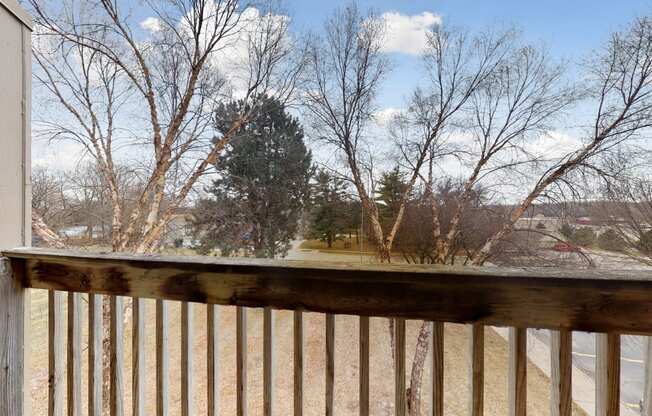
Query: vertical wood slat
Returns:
{"type": "Point", "coordinates": [74, 354]}
{"type": "Point", "coordinates": [212, 315]}
{"type": "Point", "coordinates": [117, 357]}
{"type": "Point", "coordinates": [330, 364]}
{"type": "Point", "coordinates": [55, 354]}
{"type": "Point", "coordinates": [298, 363]}
{"type": "Point", "coordinates": [476, 376]}
{"type": "Point", "coordinates": [241, 361]}
{"type": "Point", "coordinates": [268, 362]}
{"type": "Point", "coordinates": [437, 370]}
{"type": "Point", "coordinates": [400, 397]}
{"type": "Point", "coordinates": [138, 357]}
{"type": "Point", "coordinates": [517, 371]}
{"type": "Point", "coordinates": [561, 343]}
{"type": "Point", "coordinates": [187, 388]}
{"type": "Point", "coordinates": [647, 392]}
{"type": "Point", "coordinates": [364, 366]}
{"type": "Point", "coordinates": [607, 374]}
{"type": "Point", "coordinates": [95, 355]}
{"type": "Point", "coordinates": [162, 359]}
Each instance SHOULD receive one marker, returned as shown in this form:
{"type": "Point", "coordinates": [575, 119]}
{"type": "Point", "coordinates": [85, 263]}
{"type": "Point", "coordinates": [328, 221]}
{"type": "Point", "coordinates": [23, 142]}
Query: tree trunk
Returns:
{"type": "Point", "coordinates": [418, 364]}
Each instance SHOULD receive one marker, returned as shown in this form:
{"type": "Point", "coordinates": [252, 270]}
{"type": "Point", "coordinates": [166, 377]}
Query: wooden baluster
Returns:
{"type": "Point", "coordinates": [138, 357]}
{"type": "Point", "coordinates": [55, 353]}
{"type": "Point", "coordinates": [476, 368]}
{"type": "Point", "coordinates": [268, 362]}
{"type": "Point", "coordinates": [95, 335]}
{"type": "Point", "coordinates": [517, 371]}
{"type": "Point", "coordinates": [298, 363]}
{"type": "Point", "coordinates": [162, 359]}
{"type": "Point", "coordinates": [187, 390]}
{"type": "Point", "coordinates": [647, 392]}
{"type": "Point", "coordinates": [117, 356]}
{"type": "Point", "coordinates": [561, 343]}
{"type": "Point", "coordinates": [400, 397]}
{"type": "Point", "coordinates": [212, 317]}
{"type": "Point", "coordinates": [437, 338]}
{"type": "Point", "coordinates": [364, 366]}
{"type": "Point", "coordinates": [607, 374]}
{"type": "Point", "coordinates": [330, 364]}
{"type": "Point", "coordinates": [74, 354]}
{"type": "Point", "coordinates": [241, 361]}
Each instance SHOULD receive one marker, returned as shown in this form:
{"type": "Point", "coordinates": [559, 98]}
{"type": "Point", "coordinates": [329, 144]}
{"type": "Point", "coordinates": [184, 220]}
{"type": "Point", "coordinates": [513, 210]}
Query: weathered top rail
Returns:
{"type": "Point", "coordinates": [585, 300]}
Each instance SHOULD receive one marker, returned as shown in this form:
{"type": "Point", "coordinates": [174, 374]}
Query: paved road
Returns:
{"type": "Point", "coordinates": [632, 376]}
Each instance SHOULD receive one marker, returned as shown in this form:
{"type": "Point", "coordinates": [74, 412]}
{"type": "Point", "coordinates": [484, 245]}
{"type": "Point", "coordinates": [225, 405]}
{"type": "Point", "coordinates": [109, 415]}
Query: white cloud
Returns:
{"type": "Point", "coordinates": [151, 24]}
{"type": "Point", "coordinates": [407, 34]}
{"type": "Point", "coordinates": [555, 144]}
{"type": "Point", "coordinates": [384, 116]}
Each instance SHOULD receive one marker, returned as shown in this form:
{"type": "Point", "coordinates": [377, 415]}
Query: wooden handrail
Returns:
{"type": "Point", "coordinates": [584, 300]}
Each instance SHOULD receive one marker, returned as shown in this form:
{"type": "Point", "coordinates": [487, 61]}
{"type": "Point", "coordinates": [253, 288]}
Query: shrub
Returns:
{"type": "Point", "coordinates": [645, 242]}
{"type": "Point", "coordinates": [566, 230]}
{"type": "Point", "coordinates": [583, 236]}
{"type": "Point", "coordinates": [611, 240]}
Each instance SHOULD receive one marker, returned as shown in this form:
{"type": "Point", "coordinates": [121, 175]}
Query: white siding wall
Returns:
{"type": "Point", "coordinates": [15, 94]}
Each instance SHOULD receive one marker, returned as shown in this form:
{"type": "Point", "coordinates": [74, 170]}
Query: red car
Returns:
{"type": "Point", "coordinates": [566, 248]}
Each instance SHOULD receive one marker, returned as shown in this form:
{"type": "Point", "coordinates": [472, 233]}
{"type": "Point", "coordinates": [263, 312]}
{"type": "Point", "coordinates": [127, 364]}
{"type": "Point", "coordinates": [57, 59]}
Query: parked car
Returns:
{"type": "Point", "coordinates": [566, 248]}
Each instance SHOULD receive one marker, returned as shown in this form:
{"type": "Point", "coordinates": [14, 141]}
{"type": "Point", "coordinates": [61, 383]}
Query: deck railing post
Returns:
{"type": "Point", "coordinates": [14, 392]}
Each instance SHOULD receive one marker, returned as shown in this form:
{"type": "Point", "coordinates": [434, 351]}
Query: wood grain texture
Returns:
{"type": "Point", "coordinates": [517, 372]}
{"type": "Point", "coordinates": [116, 401]}
{"type": "Point", "coordinates": [607, 374]}
{"type": "Point", "coordinates": [268, 362]}
{"type": "Point", "coordinates": [56, 348]}
{"type": "Point", "coordinates": [647, 392]}
{"type": "Point", "coordinates": [241, 361]}
{"type": "Point", "coordinates": [364, 366]}
{"type": "Point", "coordinates": [212, 364]}
{"type": "Point", "coordinates": [437, 369]}
{"type": "Point", "coordinates": [586, 300]}
{"type": "Point", "coordinates": [561, 344]}
{"type": "Point", "coordinates": [15, 391]}
{"type": "Point", "coordinates": [187, 386]}
{"type": "Point", "coordinates": [138, 364]}
{"type": "Point", "coordinates": [74, 354]}
{"type": "Point", "coordinates": [476, 370]}
{"type": "Point", "coordinates": [329, 374]}
{"type": "Point", "coordinates": [298, 363]}
{"type": "Point", "coordinates": [95, 355]}
{"type": "Point", "coordinates": [400, 396]}
{"type": "Point", "coordinates": [162, 359]}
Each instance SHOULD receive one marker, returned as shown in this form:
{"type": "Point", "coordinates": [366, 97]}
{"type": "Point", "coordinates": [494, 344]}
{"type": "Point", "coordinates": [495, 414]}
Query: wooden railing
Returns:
{"type": "Point", "coordinates": [611, 303]}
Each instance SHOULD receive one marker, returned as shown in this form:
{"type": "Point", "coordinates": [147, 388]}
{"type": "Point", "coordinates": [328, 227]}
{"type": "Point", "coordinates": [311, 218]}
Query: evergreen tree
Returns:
{"type": "Point", "coordinates": [262, 185]}
{"type": "Point", "coordinates": [390, 191]}
{"type": "Point", "coordinates": [329, 216]}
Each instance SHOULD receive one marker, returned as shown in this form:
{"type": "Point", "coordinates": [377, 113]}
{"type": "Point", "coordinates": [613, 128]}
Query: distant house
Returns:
{"type": "Point", "coordinates": [179, 231]}
{"type": "Point", "coordinates": [540, 222]}
{"type": "Point", "coordinates": [583, 221]}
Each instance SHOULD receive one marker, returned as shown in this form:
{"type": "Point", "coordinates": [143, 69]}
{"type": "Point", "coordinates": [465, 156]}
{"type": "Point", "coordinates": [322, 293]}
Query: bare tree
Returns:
{"type": "Point", "coordinates": [345, 69]}
{"type": "Point", "coordinates": [155, 95]}
{"type": "Point", "coordinates": [620, 85]}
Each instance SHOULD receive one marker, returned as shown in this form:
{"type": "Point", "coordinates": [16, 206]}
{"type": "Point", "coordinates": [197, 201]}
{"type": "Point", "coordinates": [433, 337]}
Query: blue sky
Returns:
{"type": "Point", "coordinates": [569, 29]}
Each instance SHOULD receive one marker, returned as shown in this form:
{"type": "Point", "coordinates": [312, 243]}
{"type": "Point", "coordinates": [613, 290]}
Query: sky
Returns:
{"type": "Point", "coordinates": [569, 29]}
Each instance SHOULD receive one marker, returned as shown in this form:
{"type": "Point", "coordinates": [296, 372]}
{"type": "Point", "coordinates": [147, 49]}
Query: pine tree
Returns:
{"type": "Point", "coordinates": [390, 192]}
{"type": "Point", "coordinates": [262, 186]}
{"type": "Point", "coordinates": [329, 216]}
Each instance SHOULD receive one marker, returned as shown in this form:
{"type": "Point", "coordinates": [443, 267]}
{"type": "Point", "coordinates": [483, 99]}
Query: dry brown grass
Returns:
{"type": "Point", "coordinates": [456, 364]}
